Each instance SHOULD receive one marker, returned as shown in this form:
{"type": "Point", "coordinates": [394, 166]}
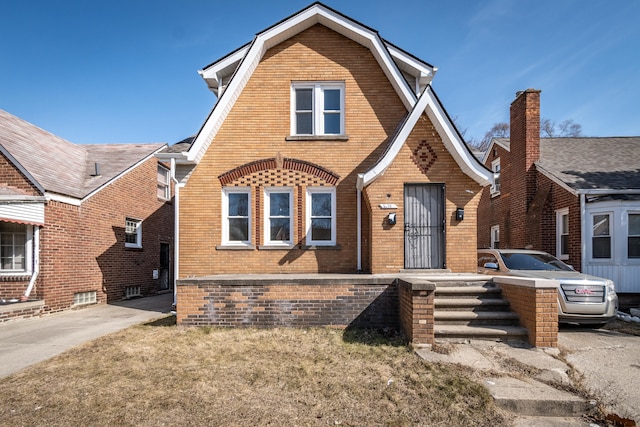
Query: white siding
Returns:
{"type": "Point", "coordinates": [624, 271]}
{"type": "Point", "coordinates": [31, 213]}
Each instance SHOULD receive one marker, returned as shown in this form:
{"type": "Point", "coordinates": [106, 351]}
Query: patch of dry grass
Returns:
{"type": "Point", "coordinates": [151, 375]}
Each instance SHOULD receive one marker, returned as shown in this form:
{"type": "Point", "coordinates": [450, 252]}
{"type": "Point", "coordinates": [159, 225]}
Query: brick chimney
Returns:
{"type": "Point", "coordinates": [524, 152]}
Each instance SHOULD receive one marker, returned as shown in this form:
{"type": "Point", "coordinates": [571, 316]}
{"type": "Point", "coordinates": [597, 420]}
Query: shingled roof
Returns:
{"type": "Point", "coordinates": [592, 163]}
{"type": "Point", "coordinates": [62, 167]}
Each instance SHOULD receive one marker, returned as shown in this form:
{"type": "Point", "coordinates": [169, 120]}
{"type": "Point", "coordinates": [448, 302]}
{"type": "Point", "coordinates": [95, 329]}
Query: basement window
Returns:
{"type": "Point", "coordinates": [83, 298]}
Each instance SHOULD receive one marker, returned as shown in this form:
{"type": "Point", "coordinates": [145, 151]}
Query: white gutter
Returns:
{"type": "Point", "coordinates": [604, 191]}
{"type": "Point", "coordinates": [36, 263]}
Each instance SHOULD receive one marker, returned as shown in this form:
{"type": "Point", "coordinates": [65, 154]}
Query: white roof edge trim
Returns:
{"type": "Point", "coordinates": [429, 104]}
{"type": "Point", "coordinates": [120, 175]}
{"type": "Point", "coordinates": [556, 180]}
{"type": "Point", "coordinates": [254, 53]}
{"type": "Point", "coordinates": [494, 141]}
{"type": "Point", "coordinates": [22, 169]}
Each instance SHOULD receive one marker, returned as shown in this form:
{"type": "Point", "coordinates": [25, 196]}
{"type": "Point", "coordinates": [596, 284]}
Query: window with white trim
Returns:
{"type": "Point", "coordinates": [601, 236]}
{"type": "Point", "coordinates": [495, 167]}
{"type": "Point", "coordinates": [562, 233]}
{"type": "Point", "coordinates": [133, 233]}
{"type": "Point", "coordinates": [633, 236]}
{"type": "Point", "coordinates": [317, 108]}
{"type": "Point", "coordinates": [164, 187]}
{"type": "Point", "coordinates": [278, 208]}
{"type": "Point", "coordinates": [13, 247]}
{"type": "Point", "coordinates": [495, 236]}
{"type": "Point", "coordinates": [236, 208]}
{"type": "Point", "coordinates": [321, 216]}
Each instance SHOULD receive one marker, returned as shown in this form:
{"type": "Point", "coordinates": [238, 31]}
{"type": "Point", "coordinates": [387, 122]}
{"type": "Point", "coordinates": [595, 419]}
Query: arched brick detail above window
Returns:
{"type": "Point", "coordinates": [281, 171]}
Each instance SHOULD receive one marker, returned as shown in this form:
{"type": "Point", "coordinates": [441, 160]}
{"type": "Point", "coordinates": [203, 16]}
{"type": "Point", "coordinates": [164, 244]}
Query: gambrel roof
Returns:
{"type": "Point", "coordinates": [409, 76]}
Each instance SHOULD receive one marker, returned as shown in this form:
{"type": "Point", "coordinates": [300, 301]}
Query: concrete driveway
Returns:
{"type": "Point", "coordinates": [610, 365]}
{"type": "Point", "coordinates": [29, 341]}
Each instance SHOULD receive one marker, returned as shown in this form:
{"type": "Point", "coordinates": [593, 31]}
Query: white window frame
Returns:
{"type": "Point", "coordinates": [610, 235]}
{"type": "Point", "coordinates": [135, 225]}
{"type": "Point", "coordinates": [495, 232]}
{"type": "Point", "coordinates": [560, 214]}
{"type": "Point", "coordinates": [225, 215]}
{"type": "Point", "coordinates": [629, 213]}
{"type": "Point", "coordinates": [495, 187]}
{"type": "Point", "coordinates": [317, 111]}
{"type": "Point", "coordinates": [321, 190]}
{"type": "Point", "coordinates": [164, 186]}
{"type": "Point", "coordinates": [28, 252]}
{"type": "Point", "coordinates": [267, 215]}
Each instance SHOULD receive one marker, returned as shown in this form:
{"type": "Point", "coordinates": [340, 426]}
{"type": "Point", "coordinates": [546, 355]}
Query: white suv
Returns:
{"type": "Point", "coordinates": [583, 299]}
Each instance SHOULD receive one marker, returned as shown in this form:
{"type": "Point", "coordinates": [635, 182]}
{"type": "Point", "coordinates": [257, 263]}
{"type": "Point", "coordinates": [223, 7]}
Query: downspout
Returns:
{"type": "Point", "coordinates": [36, 263]}
{"type": "Point", "coordinates": [176, 232]}
{"type": "Point", "coordinates": [583, 232]}
{"type": "Point", "coordinates": [359, 221]}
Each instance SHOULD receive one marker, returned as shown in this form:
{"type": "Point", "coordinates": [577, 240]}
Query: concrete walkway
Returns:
{"type": "Point", "coordinates": [532, 382]}
{"type": "Point", "coordinates": [25, 342]}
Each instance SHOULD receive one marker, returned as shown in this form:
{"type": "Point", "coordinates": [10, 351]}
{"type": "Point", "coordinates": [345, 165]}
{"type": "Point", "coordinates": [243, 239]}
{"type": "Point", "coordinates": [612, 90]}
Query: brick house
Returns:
{"type": "Point", "coordinates": [327, 152]}
{"type": "Point", "coordinates": [576, 198]}
{"type": "Point", "coordinates": [79, 224]}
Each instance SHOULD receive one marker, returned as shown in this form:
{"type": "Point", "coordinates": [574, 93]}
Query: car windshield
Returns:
{"type": "Point", "coordinates": [518, 261]}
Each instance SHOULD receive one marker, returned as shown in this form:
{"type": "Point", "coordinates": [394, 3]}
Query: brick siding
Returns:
{"type": "Point", "coordinates": [256, 130]}
{"type": "Point", "coordinates": [286, 302]}
{"type": "Point", "coordinates": [82, 247]}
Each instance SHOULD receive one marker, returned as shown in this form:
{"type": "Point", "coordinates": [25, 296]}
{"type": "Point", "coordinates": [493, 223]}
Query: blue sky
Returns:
{"type": "Point", "coordinates": [126, 70]}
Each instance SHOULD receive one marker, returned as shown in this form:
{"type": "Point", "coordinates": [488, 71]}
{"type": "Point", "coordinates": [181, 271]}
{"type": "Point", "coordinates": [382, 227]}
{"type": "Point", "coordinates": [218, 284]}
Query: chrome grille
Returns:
{"type": "Point", "coordinates": [583, 293]}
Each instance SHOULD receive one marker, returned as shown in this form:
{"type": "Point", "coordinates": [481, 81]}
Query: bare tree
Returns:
{"type": "Point", "coordinates": [499, 130]}
{"type": "Point", "coordinates": [548, 129]}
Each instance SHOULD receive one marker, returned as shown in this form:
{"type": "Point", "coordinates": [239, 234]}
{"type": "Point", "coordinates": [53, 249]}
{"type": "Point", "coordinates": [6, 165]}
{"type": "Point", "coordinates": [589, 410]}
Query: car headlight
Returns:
{"type": "Point", "coordinates": [611, 288]}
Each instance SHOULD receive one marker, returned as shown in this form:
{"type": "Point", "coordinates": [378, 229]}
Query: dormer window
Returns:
{"type": "Point", "coordinates": [495, 167]}
{"type": "Point", "coordinates": [317, 108]}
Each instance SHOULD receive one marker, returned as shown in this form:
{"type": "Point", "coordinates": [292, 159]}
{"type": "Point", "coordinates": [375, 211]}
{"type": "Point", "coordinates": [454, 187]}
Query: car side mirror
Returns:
{"type": "Point", "coordinates": [491, 265]}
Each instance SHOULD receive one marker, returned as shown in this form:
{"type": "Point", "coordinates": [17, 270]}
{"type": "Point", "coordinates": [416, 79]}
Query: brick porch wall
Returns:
{"type": "Point", "coordinates": [416, 310]}
{"type": "Point", "coordinates": [536, 302]}
{"type": "Point", "coordinates": [287, 301]}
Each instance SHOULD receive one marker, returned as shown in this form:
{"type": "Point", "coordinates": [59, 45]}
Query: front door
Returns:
{"type": "Point", "coordinates": [424, 226]}
{"type": "Point", "coordinates": [165, 261]}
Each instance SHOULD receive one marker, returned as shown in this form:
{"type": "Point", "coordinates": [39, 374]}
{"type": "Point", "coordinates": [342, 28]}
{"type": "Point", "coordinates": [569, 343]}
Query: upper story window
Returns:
{"type": "Point", "coordinates": [317, 108]}
{"type": "Point", "coordinates": [495, 167]}
{"type": "Point", "coordinates": [562, 234]}
{"type": "Point", "coordinates": [133, 233]}
{"type": "Point", "coordinates": [601, 237]}
{"type": "Point", "coordinates": [164, 187]}
{"type": "Point", "coordinates": [321, 216]}
{"type": "Point", "coordinates": [13, 247]}
{"type": "Point", "coordinates": [278, 216]}
{"type": "Point", "coordinates": [236, 208]}
{"type": "Point", "coordinates": [633, 236]}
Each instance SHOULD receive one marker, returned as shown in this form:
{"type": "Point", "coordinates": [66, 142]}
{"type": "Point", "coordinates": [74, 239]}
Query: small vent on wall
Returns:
{"type": "Point", "coordinates": [132, 291]}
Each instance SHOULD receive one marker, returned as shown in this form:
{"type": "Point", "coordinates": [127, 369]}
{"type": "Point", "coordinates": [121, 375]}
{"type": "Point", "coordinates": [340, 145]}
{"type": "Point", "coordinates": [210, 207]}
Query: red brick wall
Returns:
{"type": "Point", "coordinates": [82, 247]}
{"type": "Point", "coordinates": [417, 311]}
{"type": "Point", "coordinates": [256, 128]}
{"type": "Point", "coordinates": [11, 177]}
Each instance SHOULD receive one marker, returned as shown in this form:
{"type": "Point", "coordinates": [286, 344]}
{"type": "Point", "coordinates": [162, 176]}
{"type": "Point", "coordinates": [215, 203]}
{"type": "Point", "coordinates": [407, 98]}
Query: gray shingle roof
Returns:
{"type": "Point", "coordinates": [61, 166]}
{"type": "Point", "coordinates": [592, 163]}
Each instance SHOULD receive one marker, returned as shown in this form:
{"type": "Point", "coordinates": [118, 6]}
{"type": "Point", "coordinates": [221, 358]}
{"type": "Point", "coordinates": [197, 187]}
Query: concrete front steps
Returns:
{"type": "Point", "coordinates": [474, 310]}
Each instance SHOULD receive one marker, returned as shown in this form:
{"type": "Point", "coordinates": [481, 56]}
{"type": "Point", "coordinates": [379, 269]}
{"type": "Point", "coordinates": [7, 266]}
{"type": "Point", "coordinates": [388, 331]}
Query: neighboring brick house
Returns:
{"type": "Point", "coordinates": [576, 198]}
{"type": "Point", "coordinates": [80, 224]}
{"type": "Point", "coordinates": [326, 152]}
